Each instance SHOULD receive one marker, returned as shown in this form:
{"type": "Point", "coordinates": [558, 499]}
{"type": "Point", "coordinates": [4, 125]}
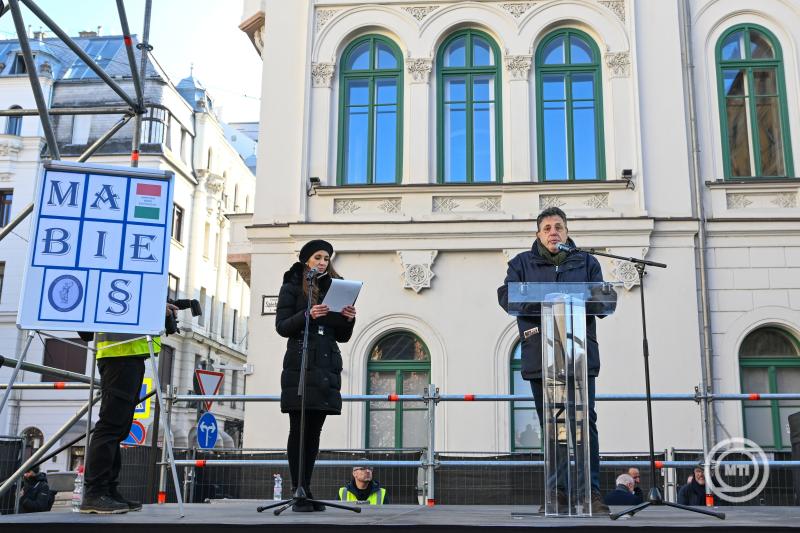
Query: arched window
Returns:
{"type": "Point", "coordinates": [34, 438]}
{"type": "Point", "coordinates": [569, 108]}
{"type": "Point", "coordinates": [14, 124]}
{"type": "Point", "coordinates": [526, 433]}
{"type": "Point", "coordinates": [752, 100]}
{"type": "Point", "coordinates": [469, 109]}
{"type": "Point", "coordinates": [370, 112]}
{"type": "Point", "coordinates": [399, 363]}
{"type": "Point", "coordinates": [769, 358]}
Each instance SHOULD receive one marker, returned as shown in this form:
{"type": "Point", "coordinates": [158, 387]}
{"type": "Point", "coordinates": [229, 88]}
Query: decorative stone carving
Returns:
{"type": "Point", "coordinates": [626, 272]}
{"type": "Point", "coordinates": [519, 66]}
{"type": "Point", "coordinates": [215, 184]}
{"type": "Point", "coordinates": [517, 9]}
{"type": "Point", "coordinates": [390, 205]}
{"type": "Point", "coordinates": [6, 176]}
{"type": "Point", "coordinates": [419, 12]}
{"type": "Point", "coordinates": [616, 6]}
{"type": "Point", "coordinates": [785, 200]}
{"type": "Point", "coordinates": [444, 204]}
{"type": "Point", "coordinates": [10, 147]}
{"type": "Point", "coordinates": [550, 200]}
{"type": "Point", "coordinates": [737, 201]}
{"type": "Point", "coordinates": [419, 68]}
{"type": "Point", "coordinates": [46, 69]}
{"type": "Point", "coordinates": [618, 63]}
{"type": "Point", "coordinates": [490, 204]}
{"type": "Point", "coordinates": [322, 74]}
{"type": "Point", "coordinates": [597, 201]}
{"type": "Point", "coordinates": [324, 16]}
{"type": "Point", "coordinates": [417, 272]}
{"type": "Point", "coordinates": [345, 206]}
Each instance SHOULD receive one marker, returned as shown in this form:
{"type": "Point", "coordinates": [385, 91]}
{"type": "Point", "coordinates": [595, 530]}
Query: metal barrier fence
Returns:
{"type": "Point", "coordinates": [11, 452]}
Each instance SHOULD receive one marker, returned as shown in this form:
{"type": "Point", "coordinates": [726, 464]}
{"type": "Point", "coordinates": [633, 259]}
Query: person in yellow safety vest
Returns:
{"type": "Point", "coordinates": [362, 488]}
{"type": "Point", "coordinates": [121, 365]}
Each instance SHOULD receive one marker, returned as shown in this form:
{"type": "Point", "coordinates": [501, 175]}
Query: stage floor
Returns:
{"type": "Point", "coordinates": [202, 518]}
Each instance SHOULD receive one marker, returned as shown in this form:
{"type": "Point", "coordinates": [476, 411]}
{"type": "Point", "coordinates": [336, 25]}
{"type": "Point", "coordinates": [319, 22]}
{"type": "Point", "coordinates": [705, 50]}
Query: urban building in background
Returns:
{"type": "Point", "coordinates": [422, 139]}
{"type": "Point", "coordinates": [213, 165]}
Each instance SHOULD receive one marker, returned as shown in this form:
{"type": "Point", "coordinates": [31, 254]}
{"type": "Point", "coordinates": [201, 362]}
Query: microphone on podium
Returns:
{"type": "Point", "coordinates": [566, 248]}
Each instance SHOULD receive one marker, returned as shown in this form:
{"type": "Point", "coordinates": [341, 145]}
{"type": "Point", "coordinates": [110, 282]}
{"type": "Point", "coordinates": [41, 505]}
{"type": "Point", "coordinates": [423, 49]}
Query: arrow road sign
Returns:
{"type": "Point", "coordinates": [209, 382]}
{"type": "Point", "coordinates": [207, 431]}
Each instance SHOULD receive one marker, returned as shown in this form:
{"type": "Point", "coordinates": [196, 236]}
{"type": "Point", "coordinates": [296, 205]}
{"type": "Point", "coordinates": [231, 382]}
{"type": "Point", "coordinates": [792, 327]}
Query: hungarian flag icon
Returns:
{"type": "Point", "coordinates": [147, 202]}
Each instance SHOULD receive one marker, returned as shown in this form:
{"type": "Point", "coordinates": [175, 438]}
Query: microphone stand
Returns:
{"type": "Point", "coordinates": [300, 495]}
{"type": "Point", "coordinates": [654, 497]}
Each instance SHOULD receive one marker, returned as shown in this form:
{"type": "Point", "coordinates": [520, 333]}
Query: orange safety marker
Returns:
{"type": "Point", "coordinates": [200, 463]}
{"type": "Point", "coordinates": [430, 502]}
{"type": "Point", "coordinates": [709, 500]}
{"type": "Point", "coordinates": [162, 498]}
{"type": "Point", "coordinates": [754, 397]}
{"type": "Point", "coordinates": [659, 464]}
{"type": "Point", "coordinates": [135, 155]}
{"type": "Point", "coordinates": [127, 40]}
{"type": "Point", "coordinates": [59, 385]}
{"type": "Point", "coordinates": [393, 397]}
{"type": "Point", "coordinates": [469, 397]}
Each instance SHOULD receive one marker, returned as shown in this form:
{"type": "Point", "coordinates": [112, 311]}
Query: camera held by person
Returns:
{"type": "Point", "coordinates": [171, 321]}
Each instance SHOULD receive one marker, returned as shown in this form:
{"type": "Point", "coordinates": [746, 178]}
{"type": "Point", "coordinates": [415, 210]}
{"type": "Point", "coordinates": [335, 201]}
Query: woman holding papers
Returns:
{"type": "Point", "coordinates": [312, 272]}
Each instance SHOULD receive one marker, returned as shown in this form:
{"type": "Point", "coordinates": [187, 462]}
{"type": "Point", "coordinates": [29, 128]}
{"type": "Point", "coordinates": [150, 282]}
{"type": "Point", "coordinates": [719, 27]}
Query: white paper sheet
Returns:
{"type": "Point", "coordinates": [341, 293]}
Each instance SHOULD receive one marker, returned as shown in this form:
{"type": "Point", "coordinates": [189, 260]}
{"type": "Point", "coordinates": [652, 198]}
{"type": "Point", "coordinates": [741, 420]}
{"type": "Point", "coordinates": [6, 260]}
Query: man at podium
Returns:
{"type": "Point", "coordinates": [546, 263]}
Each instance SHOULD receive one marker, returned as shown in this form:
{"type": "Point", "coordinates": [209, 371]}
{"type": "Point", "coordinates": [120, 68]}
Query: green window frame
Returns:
{"type": "Point", "coordinates": [756, 95]}
{"type": "Point", "coordinates": [776, 372]}
{"type": "Point", "coordinates": [522, 410]}
{"type": "Point", "coordinates": [472, 75]}
{"type": "Point", "coordinates": [574, 103]}
{"type": "Point", "coordinates": [403, 372]}
{"type": "Point", "coordinates": [376, 81]}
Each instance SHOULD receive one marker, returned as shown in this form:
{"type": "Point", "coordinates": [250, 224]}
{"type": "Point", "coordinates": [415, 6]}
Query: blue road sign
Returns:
{"type": "Point", "coordinates": [136, 434]}
{"type": "Point", "coordinates": [207, 431]}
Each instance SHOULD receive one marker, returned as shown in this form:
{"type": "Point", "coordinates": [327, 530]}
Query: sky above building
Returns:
{"type": "Point", "coordinates": [202, 33]}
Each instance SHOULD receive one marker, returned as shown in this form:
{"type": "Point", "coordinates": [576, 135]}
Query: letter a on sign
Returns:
{"type": "Point", "coordinates": [209, 382]}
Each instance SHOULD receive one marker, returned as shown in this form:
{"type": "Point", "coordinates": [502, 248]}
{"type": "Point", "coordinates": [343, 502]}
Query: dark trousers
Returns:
{"type": "Point", "coordinates": [594, 444]}
{"type": "Point", "coordinates": [121, 382]}
{"type": "Point", "coordinates": [314, 422]}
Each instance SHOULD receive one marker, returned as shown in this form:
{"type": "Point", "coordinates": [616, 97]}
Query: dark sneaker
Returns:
{"type": "Point", "coordinates": [104, 504]}
{"type": "Point", "coordinates": [303, 506]}
{"type": "Point", "coordinates": [133, 505]}
{"type": "Point", "coordinates": [560, 496]}
{"type": "Point", "coordinates": [598, 505]}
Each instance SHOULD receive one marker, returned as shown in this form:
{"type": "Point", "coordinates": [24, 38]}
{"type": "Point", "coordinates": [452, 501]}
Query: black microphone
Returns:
{"type": "Point", "coordinates": [314, 273]}
{"type": "Point", "coordinates": [566, 248]}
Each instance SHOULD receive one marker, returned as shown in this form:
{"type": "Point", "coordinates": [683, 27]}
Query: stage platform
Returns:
{"type": "Point", "coordinates": [241, 515]}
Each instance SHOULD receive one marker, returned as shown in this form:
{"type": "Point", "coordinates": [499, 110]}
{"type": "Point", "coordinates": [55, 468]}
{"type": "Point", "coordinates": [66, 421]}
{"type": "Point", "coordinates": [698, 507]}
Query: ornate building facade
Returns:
{"type": "Point", "coordinates": [423, 138]}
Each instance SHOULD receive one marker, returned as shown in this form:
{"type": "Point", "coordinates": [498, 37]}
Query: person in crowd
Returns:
{"type": "Point", "coordinates": [694, 492]}
{"type": "Point", "coordinates": [36, 494]}
{"type": "Point", "coordinates": [312, 273]}
{"type": "Point", "coordinates": [121, 366]}
{"type": "Point", "coordinates": [546, 263]}
{"type": "Point", "coordinates": [363, 488]}
{"type": "Point", "coordinates": [637, 480]}
{"type": "Point", "coordinates": [623, 494]}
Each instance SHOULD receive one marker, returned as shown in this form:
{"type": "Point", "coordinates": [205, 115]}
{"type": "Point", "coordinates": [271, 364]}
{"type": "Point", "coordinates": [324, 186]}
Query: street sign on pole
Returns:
{"type": "Point", "coordinates": [209, 381]}
{"type": "Point", "coordinates": [207, 431]}
{"type": "Point", "coordinates": [142, 411]}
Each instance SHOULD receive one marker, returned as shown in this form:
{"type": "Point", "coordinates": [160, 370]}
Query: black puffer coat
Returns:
{"type": "Point", "coordinates": [324, 373]}
{"type": "Point", "coordinates": [578, 267]}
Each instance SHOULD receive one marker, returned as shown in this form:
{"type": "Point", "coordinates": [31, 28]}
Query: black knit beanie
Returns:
{"type": "Point", "coordinates": [311, 247]}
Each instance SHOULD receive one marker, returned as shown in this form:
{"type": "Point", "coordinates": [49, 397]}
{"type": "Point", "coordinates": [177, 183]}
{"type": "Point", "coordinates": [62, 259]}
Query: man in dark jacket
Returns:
{"type": "Point", "coordinates": [545, 263]}
{"type": "Point", "coordinates": [623, 494]}
{"type": "Point", "coordinates": [36, 495]}
{"type": "Point", "coordinates": [362, 488]}
{"type": "Point", "coordinates": [694, 492]}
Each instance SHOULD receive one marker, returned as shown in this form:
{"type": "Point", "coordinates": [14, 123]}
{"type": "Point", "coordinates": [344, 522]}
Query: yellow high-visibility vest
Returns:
{"type": "Point", "coordinates": [347, 496]}
{"type": "Point", "coordinates": [126, 349]}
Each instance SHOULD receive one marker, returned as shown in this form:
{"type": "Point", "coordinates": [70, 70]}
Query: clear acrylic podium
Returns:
{"type": "Point", "coordinates": [563, 308]}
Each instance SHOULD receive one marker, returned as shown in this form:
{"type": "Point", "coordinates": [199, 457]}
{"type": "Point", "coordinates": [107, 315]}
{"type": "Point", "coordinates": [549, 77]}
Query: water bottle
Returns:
{"type": "Point", "coordinates": [77, 492]}
{"type": "Point", "coordinates": [277, 491]}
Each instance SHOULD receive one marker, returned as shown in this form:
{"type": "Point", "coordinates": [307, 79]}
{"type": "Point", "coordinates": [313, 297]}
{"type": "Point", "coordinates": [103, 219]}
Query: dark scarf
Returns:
{"type": "Point", "coordinates": [554, 258]}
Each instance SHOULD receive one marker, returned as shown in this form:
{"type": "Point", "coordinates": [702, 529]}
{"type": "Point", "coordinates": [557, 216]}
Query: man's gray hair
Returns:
{"type": "Point", "coordinates": [624, 479]}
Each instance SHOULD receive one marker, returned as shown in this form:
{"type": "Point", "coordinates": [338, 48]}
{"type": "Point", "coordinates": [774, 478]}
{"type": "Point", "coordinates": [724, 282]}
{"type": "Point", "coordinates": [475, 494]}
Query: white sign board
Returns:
{"type": "Point", "coordinates": [98, 258]}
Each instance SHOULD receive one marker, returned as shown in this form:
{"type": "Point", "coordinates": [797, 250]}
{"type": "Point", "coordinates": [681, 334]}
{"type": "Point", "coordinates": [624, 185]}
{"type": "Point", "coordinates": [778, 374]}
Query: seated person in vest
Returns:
{"type": "Point", "coordinates": [623, 494]}
{"type": "Point", "coordinates": [362, 488]}
{"type": "Point", "coordinates": [121, 366]}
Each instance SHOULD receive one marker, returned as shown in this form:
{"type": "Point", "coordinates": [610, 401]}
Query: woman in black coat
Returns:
{"type": "Point", "coordinates": [323, 376]}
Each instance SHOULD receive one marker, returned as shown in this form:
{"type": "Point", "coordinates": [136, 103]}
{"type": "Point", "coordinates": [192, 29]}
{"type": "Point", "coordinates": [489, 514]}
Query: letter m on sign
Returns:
{"type": "Point", "coordinates": [58, 195]}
